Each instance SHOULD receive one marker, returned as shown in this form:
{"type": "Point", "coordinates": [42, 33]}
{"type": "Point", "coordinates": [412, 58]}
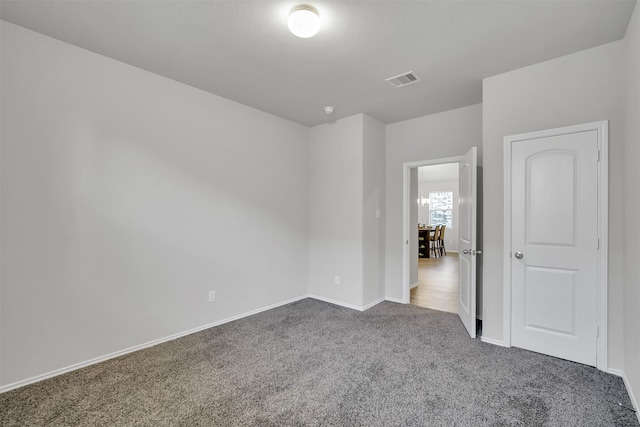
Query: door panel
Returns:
{"type": "Point", "coordinates": [550, 192]}
{"type": "Point", "coordinates": [465, 285]}
{"type": "Point", "coordinates": [545, 314]}
{"type": "Point", "coordinates": [554, 227]}
{"type": "Point", "coordinates": [467, 241]}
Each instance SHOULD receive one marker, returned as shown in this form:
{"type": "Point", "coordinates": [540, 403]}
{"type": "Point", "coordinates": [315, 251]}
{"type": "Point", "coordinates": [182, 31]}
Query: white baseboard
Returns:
{"type": "Point", "coordinates": [634, 402]}
{"type": "Point", "coordinates": [374, 303]}
{"type": "Point", "coordinates": [336, 302]}
{"type": "Point", "coordinates": [616, 372]}
{"type": "Point", "coordinates": [346, 305]}
{"type": "Point", "coordinates": [119, 353]}
{"type": "Point", "coordinates": [396, 300]}
{"type": "Point", "coordinates": [492, 341]}
{"type": "Point", "coordinates": [413, 285]}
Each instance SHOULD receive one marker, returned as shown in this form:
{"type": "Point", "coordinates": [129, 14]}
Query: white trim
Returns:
{"type": "Point", "coordinates": [396, 300]}
{"type": "Point", "coordinates": [343, 304]}
{"type": "Point", "coordinates": [413, 285]}
{"type": "Point", "coordinates": [346, 305]}
{"type": "Point", "coordinates": [634, 402]}
{"type": "Point", "coordinates": [406, 226]}
{"type": "Point", "coordinates": [119, 353]}
{"type": "Point", "coordinates": [616, 372]}
{"type": "Point", "coordinates": [372, 304]}
{"type": "Point", "coordinates": [406, 275]}
{"type": "Point", "coordinates": [493, 341]}
{"type": "Point", "coordinates": [602, 128]}
{"type": "Point", "coordinates": [603, 252]}
{"type": "Point", "coordinates": [506, 245]}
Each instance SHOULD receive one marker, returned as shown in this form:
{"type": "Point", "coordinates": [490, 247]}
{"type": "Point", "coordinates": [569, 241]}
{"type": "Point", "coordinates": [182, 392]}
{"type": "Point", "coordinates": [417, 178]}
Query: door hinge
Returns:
{"type": "Point", "coordinates": [598, 243]}
{"type": "Point", "coordinates": [598, 156]}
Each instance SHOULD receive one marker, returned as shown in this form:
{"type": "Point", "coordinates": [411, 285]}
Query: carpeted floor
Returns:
{"type": "Point", "coordinates": [315, 364]}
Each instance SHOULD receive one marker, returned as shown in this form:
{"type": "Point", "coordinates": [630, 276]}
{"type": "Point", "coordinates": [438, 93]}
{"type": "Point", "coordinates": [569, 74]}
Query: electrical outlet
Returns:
{"type": "Point", "coordinates": [212, 296]}
{"type": "Point", "coordinates": [336, 280]}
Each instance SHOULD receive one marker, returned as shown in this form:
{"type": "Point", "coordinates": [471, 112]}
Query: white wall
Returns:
{"type": "Point", "coordinates": [373, 200]}
{"type": "Point", "coordinates": [437, 136]}
{"type": "Point", "coordinates": [336, 178]}
{"type": "Point", "coordinates": [346, 170]}
{"type": "Point", "coordinates": [579, 88]}
{"type": "Point", "coordinates": [451, 233]}
{"type": "Point", "coordinates": [632, 208]}
{"type": "Point", "coordinates": [126, 198]}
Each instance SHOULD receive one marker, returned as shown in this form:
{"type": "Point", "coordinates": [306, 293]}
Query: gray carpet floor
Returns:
{"type": "Point", "coordinates": [315, 364]}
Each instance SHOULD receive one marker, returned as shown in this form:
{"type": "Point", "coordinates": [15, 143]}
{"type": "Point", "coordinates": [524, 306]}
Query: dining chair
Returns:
{"type": "Point", "coordinates": [441, 241]}
{"type": "Point", "coordinates": [433, 241]}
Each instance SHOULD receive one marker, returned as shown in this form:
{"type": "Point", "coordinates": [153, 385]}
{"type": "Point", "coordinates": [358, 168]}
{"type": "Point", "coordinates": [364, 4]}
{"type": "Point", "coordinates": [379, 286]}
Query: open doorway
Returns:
{"type": "Point", "coordinates": [435, 265]}
{"type": "Point", "coordinates": [469, 238]}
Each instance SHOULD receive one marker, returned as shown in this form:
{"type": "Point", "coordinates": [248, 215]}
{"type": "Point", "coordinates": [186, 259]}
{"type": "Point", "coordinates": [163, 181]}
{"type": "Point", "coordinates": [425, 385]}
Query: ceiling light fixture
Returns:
{"type": "Point", "coordinates": [328, 110]}
{"type": "Point", "coordinates": [422, 201]}
{"type": "Point", "coordinates": [304, 21]}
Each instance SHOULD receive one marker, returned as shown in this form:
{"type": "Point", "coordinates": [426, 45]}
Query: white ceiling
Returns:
{"type": "Point", "coordinates": [243, 51]}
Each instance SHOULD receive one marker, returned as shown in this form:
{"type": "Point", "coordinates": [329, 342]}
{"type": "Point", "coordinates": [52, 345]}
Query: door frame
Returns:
{"type": "Point", "coordinates": [602, 129]}
{"type": "Point", "coordinates": [406, 226]}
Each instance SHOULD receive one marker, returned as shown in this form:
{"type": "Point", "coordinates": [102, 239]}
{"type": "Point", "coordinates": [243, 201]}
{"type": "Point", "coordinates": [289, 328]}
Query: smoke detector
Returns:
{"type": "Point", "coordinates": [404, 79]}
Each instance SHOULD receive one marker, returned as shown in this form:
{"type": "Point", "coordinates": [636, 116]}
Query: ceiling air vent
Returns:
{"type": "Point", "coordinates": [403, 79]}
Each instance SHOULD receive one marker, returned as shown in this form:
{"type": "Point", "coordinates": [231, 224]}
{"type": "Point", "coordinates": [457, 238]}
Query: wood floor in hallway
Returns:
{"type": "Point", "coordinates": [438, 283]}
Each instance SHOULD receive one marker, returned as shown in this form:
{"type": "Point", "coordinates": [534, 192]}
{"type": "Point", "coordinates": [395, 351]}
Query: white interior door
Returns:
{"type": "Point", "coordinates": [554, 245]}
{"type": "Point", "coordinates": [467, 241]}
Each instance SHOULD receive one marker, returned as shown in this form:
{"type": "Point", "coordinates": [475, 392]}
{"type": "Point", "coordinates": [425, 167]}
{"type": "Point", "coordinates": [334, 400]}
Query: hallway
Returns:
{"type": "Point", "coordinates": [438, 288]}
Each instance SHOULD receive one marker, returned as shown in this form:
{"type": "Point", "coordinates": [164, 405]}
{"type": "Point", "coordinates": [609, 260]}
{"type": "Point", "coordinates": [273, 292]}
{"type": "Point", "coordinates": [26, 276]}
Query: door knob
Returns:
{"type": "Point", "coordinates": [519, 255]}
{"type": "Point", "coordinates": [471, 251]}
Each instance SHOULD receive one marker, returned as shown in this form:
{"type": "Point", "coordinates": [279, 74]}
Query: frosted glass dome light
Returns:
{"type": "Point", "coordinates": [304, 21]}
